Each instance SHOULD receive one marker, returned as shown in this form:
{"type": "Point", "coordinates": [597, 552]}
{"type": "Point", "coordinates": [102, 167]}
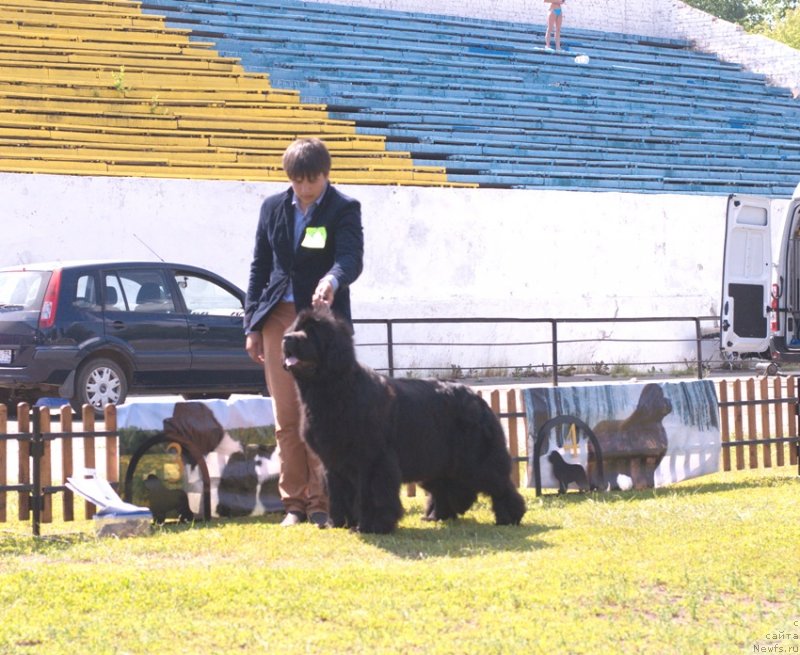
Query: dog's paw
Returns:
{"type": "Point", "coordinates": [377, 527]}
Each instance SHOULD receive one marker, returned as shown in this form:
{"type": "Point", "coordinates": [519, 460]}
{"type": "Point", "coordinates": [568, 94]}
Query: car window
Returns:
{"type": "Point", "coordinates": [22, 289]}
{"type": "Point", "coordinates": [113, 296]}
{"type": "Point", "coordinates": [84, 295]}
{"type": "Point", "coordinates": [138, 290]}
{"type": "Point", "coordinates": [207, 298]}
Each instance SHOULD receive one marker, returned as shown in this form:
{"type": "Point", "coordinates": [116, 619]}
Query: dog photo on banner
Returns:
{"type": "Point", "coordinates": [622, 436]}
{"type": "Point", "coordinates": [235, 440]}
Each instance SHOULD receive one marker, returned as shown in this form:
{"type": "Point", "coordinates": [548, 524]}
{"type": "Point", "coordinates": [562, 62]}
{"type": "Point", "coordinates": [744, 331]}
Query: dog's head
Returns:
{"type": "Point", "coordinates": [653, 404]}
{"type": "Point", "coordinates": [554, 457]}
{"type": "Point", "coordinates": [318, 345]}
{"type": "Point", "coordinates": [153, 484]}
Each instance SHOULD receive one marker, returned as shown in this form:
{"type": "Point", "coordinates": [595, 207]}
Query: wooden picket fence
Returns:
{"type": "Point", "coordinates": [758, 422]}
{"type": "Point", "coordinates": [35, 438]}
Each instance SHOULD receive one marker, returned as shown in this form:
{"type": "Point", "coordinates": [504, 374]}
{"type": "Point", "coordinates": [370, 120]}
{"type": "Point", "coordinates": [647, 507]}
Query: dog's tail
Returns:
{"type": "Point", "coordinates": [491, 466]}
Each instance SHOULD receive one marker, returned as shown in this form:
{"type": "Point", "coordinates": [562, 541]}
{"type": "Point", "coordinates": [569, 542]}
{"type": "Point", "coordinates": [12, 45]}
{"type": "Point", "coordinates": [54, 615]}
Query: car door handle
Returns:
{"type": "Point", "coordinates": [202, 328]}
{"type": "Point", "coordinates": [118, 325]}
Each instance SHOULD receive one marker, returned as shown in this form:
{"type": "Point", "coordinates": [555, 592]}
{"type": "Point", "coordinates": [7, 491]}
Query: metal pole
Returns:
{"type": "Point", "coordinates": [699, 339]}
{"type": "Point", "coordinates": [390, 347]}
{"type": "Point", "coordinates": [554, 326]}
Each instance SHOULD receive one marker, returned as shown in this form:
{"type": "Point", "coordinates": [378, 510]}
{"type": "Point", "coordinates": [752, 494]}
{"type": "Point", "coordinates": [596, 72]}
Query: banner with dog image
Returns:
{"type": "Point", "coordinates": [622, 436]}
{"type": "Point", "coordinates": [177, 457]}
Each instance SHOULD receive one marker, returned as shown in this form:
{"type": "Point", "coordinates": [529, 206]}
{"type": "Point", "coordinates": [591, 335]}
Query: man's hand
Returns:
{"type": "Point", "coordinates": [254, 345]}
{"type": "Point", "coordinates": [323, 296]}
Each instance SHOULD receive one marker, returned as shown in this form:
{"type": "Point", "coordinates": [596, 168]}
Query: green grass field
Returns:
{"type": "Point", "coordinates": [707, 566]}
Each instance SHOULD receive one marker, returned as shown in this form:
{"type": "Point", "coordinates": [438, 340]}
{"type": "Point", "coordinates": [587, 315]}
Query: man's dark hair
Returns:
{"type": "Point", "coordinates": [306, 158]}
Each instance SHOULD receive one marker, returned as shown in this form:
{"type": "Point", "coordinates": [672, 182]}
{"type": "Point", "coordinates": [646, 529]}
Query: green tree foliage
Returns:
{"type": "Point", "coordinates": [776, 10]}
{"type": "Point", "coordinates": [751, 14]}
{"type": "Point", "coordinates": [735, 11]}
{"type": "Point", "coordinates": [786, 30]}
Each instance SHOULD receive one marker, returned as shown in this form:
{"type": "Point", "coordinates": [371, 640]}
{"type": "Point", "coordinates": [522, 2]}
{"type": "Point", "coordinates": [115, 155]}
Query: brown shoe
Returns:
{"type": "Point", "coordinates": [320, 519]}
{"type": "Point", "coordinates": [293, 518]}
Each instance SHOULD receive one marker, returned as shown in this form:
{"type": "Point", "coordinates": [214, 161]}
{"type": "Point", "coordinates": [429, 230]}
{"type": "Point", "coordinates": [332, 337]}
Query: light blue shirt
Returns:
{"type": "Point", "coordinates": [301, 221]}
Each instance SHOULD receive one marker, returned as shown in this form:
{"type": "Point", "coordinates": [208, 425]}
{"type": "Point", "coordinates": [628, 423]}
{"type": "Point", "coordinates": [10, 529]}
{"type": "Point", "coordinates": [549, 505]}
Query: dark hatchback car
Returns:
{"type": "Point", "coordinates": [93, 332]}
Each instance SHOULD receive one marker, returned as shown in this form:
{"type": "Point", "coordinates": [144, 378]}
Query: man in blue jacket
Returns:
{"type": "Point", "coordinates": [309, 249]}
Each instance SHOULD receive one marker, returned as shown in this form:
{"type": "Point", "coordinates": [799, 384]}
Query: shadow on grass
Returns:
{"type": "Point", "coordinates": [415, 539]}
{"type": "Point", "coordinates": [472, 537]}
{"type": "Point", "coordinates": [464, 537]}
{"type": "Point", "coordinates": [687, 488]}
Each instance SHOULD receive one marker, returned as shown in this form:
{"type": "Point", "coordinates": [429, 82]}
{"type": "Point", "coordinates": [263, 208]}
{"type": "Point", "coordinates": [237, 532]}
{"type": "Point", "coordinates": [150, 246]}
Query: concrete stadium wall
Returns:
{"type": "Point", "coordinates": [441, 252]}
{"type": "Point", "coordinates": [430, 253]}
{"type": "Point", "coordinates": [662, 18]}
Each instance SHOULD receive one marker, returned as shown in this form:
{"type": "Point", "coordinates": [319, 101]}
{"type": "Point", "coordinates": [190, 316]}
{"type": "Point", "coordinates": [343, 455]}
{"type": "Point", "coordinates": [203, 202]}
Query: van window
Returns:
{"type": "Point", "coordinates": [752, 216]}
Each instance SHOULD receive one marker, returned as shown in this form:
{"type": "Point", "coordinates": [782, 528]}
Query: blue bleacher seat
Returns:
{"type": "Point", "coordinates": [484, 100]}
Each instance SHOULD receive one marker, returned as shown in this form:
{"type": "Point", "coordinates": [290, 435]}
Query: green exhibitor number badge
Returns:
{"type": "Point", "coordinates": [315, 238]}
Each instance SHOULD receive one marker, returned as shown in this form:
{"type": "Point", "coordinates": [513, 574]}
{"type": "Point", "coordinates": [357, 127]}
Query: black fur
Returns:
{"type": "Point", "coordinates": [372, 433]}
{"type": "Point", "coordinates": [567, 474]}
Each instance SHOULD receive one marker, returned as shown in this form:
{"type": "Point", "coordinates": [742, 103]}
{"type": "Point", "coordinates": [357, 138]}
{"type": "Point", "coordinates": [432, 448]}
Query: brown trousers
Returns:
{"type": "Point", "coordinates": [302, 481]}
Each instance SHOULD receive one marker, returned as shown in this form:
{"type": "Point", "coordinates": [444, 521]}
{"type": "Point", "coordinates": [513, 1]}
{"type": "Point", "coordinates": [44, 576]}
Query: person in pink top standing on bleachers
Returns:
{"type": "Point", "coordinates": [554, 19]}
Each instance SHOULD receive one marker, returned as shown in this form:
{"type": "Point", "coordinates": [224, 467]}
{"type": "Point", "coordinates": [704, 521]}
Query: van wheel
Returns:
{"type": "Point", "coordinates": [99, 382]}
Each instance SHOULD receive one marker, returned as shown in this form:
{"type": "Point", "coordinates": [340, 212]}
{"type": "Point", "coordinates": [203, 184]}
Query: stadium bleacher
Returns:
{"type": "Point", "coordinates": [216, 89]}
{"type": "Point", "coordinates": [96, 87]}
{"type": "Point", "coordinates": [483, 100]}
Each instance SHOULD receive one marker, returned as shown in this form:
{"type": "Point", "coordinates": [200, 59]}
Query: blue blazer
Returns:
{"type": "Point", "coordinates": [277, 259]}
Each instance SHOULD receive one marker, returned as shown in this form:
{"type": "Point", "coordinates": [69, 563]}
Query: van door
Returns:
{"type": "Point", "coordinates": [746, 276]}
{"type": "Point", "coordinates": [789, 279]}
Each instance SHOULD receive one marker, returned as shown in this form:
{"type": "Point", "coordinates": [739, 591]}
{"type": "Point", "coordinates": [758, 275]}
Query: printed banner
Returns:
{"type": "Point", "coordinates": [622, 436]}
{"type": "Point", "coordinates": [235, 439]}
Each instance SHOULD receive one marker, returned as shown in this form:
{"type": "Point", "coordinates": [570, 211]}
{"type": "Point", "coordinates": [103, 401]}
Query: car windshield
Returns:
{"type": "Point", "coordinates": [22, 289]}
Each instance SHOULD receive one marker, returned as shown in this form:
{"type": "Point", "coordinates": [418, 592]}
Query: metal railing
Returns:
{"type": "Point", "coordinates": [392, 345]}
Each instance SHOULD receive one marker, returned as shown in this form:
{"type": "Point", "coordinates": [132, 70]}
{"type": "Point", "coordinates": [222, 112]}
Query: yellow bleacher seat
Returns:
{"type": "Point", "coordinates": [99, 88]}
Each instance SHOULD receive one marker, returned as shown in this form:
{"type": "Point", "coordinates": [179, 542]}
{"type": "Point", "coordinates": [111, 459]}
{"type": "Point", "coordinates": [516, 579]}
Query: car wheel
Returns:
{"type": "Point", "coordinates": [99, 382]}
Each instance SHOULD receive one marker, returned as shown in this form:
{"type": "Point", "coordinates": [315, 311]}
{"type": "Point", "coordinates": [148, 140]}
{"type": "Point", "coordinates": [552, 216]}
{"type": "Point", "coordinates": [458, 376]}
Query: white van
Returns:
{"type": "Point", "coordinates": [760, 309]}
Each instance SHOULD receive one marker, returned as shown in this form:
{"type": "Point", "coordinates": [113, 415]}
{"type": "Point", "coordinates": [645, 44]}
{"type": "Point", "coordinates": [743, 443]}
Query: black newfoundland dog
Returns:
{"type": "Point", "coordinates": [373, 433]}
